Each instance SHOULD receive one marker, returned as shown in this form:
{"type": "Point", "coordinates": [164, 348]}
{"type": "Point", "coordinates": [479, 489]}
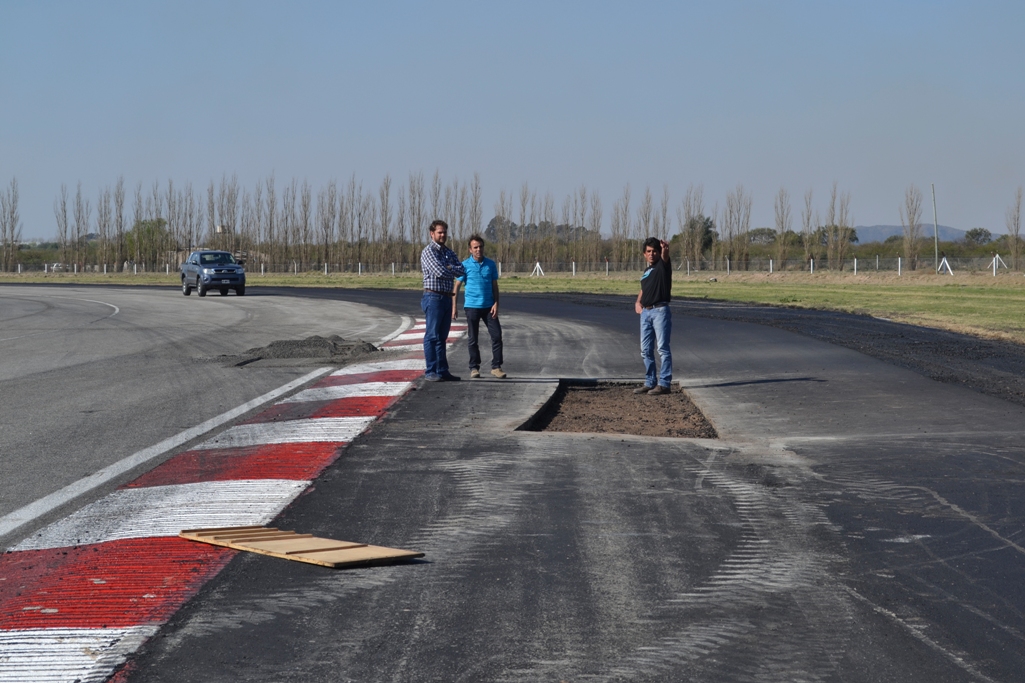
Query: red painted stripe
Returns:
{"type": "Point", "coordinates": [353, 406]}
{"type": "Point", "coordinates": [273, 461]}
{"type": "Point", "coordinates": [115, 584]}
{"type": "Point", "coordinates": [378, 376]}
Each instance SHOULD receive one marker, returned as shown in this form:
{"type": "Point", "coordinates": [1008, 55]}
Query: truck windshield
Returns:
{"type": "Point", "coordinates": [216, 259]}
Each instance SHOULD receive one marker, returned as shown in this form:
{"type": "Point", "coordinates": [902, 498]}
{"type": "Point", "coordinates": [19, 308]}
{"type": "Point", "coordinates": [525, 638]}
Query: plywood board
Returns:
{"type": "Point", "coordinates": [289, 545]}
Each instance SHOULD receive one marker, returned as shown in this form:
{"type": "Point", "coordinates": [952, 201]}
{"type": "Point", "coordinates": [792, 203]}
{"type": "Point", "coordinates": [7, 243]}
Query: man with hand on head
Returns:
{"type": "Point", "coordinates": [656, 320]}
{"type": "Point", "coordinates": [440, 267]}
{"type": "Point", "coordinates": [480, 302]}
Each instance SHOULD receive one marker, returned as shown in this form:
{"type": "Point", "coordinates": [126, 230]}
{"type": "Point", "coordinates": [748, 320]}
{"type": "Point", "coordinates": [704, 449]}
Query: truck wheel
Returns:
{"type": "Point", "coordinates": [200, 289]}
{"type": "Point", "coordinates": [186, 287]}
{"type": "Point", "coordinates": [240, 291]}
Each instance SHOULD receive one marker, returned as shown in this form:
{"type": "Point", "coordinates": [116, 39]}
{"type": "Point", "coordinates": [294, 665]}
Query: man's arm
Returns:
{"type": "Point", "coordinates": [455, 298]}
{"type": "Point", "coordinates": [665, 252]}
{"type": "Point", "coordinates": [494, 293]}
{"type": "Point", "coordinates": [637, 304]}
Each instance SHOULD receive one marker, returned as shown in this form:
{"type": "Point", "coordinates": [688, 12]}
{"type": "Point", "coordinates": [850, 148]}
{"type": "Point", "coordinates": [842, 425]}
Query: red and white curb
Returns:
{"type": "Point", "coordinates": [80, 595]}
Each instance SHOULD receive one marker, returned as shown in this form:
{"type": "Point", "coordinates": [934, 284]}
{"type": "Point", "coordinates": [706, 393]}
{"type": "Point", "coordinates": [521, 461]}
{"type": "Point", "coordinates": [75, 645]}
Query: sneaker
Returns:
{"type": "Point", "coordinates": [448, 377]}
{"type": "Point", "coordinates": [657, 391]}
{"type": "Point", "coordinates": [432, 378]}
{"type": "Point", "coordinates": [474, 373]}
{"type": "Point", "coordinates": [642, 390]}
{"type": "Point", "coordinates": [497, 372]}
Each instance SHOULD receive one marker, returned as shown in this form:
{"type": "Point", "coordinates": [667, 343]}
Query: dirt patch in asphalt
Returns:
{"type": "Point", "coordinates": [616, 409]}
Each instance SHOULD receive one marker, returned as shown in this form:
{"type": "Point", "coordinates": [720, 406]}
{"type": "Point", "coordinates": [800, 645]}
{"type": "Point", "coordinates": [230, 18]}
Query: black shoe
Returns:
{"type": "Point", "coordinates": [642, 390]}
{"type": "Point", "coordinates": [449, 377]}
{"type": "Point", "coordinates": [657, 391]}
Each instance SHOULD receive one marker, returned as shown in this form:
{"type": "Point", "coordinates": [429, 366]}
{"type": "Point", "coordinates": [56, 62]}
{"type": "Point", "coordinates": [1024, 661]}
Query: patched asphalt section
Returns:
{"type": "Point", "coordinates": [548, 557]}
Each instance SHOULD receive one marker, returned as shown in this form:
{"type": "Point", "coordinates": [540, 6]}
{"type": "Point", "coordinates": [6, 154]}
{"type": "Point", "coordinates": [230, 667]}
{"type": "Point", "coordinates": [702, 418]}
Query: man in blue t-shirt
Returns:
{"type": "Point", "coordinates": [480, 302]}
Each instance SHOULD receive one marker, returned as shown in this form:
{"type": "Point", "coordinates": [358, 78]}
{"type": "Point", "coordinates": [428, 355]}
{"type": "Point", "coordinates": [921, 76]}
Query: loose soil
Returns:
{"type": "Point", "coordinates": [615, 409]}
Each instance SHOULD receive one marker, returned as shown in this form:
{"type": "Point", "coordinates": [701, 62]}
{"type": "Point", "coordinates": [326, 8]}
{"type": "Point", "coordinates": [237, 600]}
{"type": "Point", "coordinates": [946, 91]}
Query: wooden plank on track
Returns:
{"type": "Point", "coordinates": [289, 545]}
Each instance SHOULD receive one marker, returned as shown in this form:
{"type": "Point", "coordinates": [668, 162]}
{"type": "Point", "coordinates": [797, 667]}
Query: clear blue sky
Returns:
{"type": "Point", "coordinates": [874, 95]}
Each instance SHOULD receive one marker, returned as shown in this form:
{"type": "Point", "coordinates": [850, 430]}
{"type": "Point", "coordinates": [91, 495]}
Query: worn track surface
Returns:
{"type": "Point", "coordinates": [857, 521]}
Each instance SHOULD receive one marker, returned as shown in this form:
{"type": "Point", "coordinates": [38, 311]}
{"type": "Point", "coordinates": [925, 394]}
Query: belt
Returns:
{"type": "Point", "coordinates": [435, 291]}
{"type": "Point", "coordinates": [660, 304]}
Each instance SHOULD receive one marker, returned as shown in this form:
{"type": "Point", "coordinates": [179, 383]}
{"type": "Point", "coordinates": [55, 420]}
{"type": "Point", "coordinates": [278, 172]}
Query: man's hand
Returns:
{"type": "Point", "coordinates": [455, 309]}
{"type": "Point", "coordinates": [494, 310]}
{"type": "Point", "coordinates": [637, 307]}
{"type": "Point", "coordinates": [665, 250]}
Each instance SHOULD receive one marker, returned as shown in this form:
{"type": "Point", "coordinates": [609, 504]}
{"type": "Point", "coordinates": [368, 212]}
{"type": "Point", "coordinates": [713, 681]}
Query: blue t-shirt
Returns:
{"type": "Point", "coordinates": [478, 279]}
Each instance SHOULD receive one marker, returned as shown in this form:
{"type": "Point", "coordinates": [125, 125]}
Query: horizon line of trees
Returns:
{"type": "Point", "coordinates": [299, 226]}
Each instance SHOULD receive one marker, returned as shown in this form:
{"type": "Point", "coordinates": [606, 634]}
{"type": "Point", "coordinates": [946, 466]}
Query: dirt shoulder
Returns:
{"type": "Point", "coordinates": [992, 367]}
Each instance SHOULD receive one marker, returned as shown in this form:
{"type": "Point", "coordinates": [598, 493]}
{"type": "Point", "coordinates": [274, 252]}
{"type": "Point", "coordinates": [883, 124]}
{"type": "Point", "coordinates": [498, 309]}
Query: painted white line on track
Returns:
{"type": "Point", "coordinates": [46, 504]}
{"type": "Point", "coordinates": [363, 368]}
{"type": "Point", "coordinates": [407, 322]}
{"type": "Point", "coordinates": [166, 510]}
{"type": "Point", "coordinates": [330, 429]}
{"type": "Point", "coordinates": [88, 655]}
{"type": "Point", "coordinates": [349, 391]}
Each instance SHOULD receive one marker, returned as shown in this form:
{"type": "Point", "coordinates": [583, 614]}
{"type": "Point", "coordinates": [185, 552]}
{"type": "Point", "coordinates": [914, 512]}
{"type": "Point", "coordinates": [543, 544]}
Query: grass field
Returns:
{"type": "Point", "coordinates": [976, 303]}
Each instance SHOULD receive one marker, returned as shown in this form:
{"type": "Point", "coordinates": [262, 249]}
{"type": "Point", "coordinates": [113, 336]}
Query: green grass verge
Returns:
{"type": "Point", "coordinates": [970, 302]}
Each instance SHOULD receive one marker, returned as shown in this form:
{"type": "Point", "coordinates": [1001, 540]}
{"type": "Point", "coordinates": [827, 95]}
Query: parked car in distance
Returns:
{"type": "Point", "coordinates": [210, 269]}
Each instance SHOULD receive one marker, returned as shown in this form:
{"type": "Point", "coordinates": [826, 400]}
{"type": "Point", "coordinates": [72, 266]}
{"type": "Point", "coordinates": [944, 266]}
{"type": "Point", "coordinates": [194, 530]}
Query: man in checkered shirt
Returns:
{"type": "Point", "coordinates": [440, 267]}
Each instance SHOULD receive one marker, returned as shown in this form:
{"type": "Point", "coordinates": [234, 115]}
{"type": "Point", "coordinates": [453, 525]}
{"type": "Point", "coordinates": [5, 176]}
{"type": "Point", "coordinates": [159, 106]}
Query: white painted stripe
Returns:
{"type": "Point", "coordinates": [322, 429]}
{"type": "Point", "coordinates": [406, 323]}
{"type": "Point", "coordinates": [88, 655]}
{"type": "Point", "coordinates": [46, 504]}
{"type": "Point", "coordinates": [166, 510]}
{"type": "Point", "coordinates": [361, 368]}
{"type": "Point", "coordinates": [403, 347]}
{"type": "Point", "coordinates": [409, 335]}
{"type": "Point", "coordinates": [350, 391]}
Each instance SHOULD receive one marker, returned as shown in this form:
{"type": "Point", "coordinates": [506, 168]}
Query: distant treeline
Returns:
{"type": "Point", "coordinates": [292, 225]}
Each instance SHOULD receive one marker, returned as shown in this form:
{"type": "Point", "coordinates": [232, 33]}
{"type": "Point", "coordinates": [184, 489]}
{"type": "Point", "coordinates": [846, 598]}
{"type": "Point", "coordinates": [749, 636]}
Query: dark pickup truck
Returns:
{"type": "Point", "coordinates": [206, 270]}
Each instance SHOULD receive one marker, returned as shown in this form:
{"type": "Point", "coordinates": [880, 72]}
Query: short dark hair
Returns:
{"type": "Point", "coordinates": [438, 223]}
{"type": "Point", "coordinates": [475, 238]}
{"type": "Point", "coordinates": [653, 242]}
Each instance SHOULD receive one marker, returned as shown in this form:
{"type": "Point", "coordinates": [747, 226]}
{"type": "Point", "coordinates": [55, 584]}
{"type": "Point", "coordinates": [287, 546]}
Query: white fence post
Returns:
{"type": "Point", "coordinates": [770, 266]}
{"type": "Point", "coordinates": [727, 265]}
{"type": "Point", "coordinates": [899, 264]}
{"type": "Point", "coordinates": [499, 269]}
{"type": "Point", "coordinates": [855, 265]}
{"type": "Point", "coordinates": [574, 268]}
{"type": "Point", "coordinates": [688, 266]}
{"type": "Point", "coordinates": [393, 268]}
{"type": "Point", "coordinates": [811, 262]}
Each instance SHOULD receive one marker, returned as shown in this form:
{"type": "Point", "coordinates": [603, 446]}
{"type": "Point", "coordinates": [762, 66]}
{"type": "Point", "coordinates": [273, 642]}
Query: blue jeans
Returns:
{"type": "Point", "coordinates": [657, 326]}
{"type": "Point", "coordinates": [438, 309]}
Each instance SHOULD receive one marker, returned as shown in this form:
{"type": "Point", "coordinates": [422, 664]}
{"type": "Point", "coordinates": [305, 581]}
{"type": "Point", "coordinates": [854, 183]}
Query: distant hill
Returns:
{"type": "Point", "coordinates": [879, 233]}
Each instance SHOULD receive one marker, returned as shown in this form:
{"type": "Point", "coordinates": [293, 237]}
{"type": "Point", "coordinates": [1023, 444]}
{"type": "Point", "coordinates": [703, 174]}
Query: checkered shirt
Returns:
{"type": "Point", "coordinates": [440, 267]}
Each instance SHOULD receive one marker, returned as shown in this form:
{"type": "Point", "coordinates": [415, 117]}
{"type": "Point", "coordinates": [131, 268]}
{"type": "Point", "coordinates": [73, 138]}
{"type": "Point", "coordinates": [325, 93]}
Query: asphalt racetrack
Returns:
{"type": "Point", "coordinates": [856, 521]}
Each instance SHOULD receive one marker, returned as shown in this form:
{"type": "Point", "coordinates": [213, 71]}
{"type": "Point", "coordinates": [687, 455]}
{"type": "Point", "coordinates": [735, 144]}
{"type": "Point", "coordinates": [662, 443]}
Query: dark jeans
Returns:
{"type": "Point", "coordinates": [473, 318]}
{"type": "Point", "coordinates": [438, 310]}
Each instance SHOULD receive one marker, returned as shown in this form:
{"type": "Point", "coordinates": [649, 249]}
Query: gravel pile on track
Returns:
{"type": "Point", "coordinates": [992, 367]}
{"type": "Point", "coordinates": [327, 348]}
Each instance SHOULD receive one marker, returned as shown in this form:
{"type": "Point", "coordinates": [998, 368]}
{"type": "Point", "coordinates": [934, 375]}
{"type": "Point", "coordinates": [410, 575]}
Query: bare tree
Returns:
{"type": "Point", "coordinates": [844, 228]}
{"type": "Point", "coordinates": [911, 219]}
{"type": "Point", "coordinates": [327, 207]}
{"type": "Point", "coordinates": [82, 212]}
{"type": "Point", "coordinates": [692, 224]}
{"type": "Point", "coordinates": [1013, 218]}
{"type": "Point", "coordinates": [305, 225]}
{"type": "Point", "coordinates": [10, 224]}
{"type": "Point", "coordinates": [119, 221]}
{"type": "Point", "coordinates": [808, 227]}
{"type": "Point", "coordinates": [783, 225]}
{"type": "Point", "coordinates": [736, 225]}
{"type": "Point", "coordinates": [595, 221]}
{"type": "Point", "coordinates": [662, 217]}
{"type": "Point", "coordinates": [436, 195]}
{"type": "Point", "coordinates": [623, 248]}
{"type": "Point", "coordinates": [400, 223]}
{"type": "Point", "coordinates": [476, 208]}
{"type": "Point", "coordinates": [644, 216]}
{"type": "Point", "coordinates": [104, 221]}
{"type": "Point", "coordinates": [417, 201]}
{"type": "Point", "coordinates": [832, 230]}
{"type": "Point", "coordinates": [384, 216]}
